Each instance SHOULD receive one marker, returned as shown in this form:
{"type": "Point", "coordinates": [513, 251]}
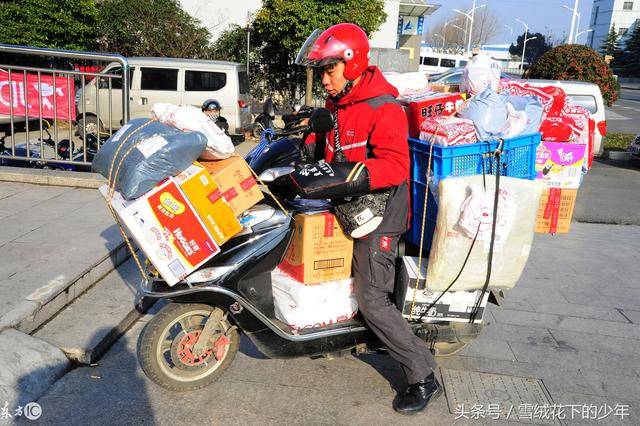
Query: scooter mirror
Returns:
{"type": "Point", "coordinates": [321, 121]}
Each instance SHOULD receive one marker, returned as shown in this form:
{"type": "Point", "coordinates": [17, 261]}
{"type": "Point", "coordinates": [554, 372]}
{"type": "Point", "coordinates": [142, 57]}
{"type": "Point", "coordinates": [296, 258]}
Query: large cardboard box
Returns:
{"type": "Point", "coordinates": [199, 187]}
{"type": "Point", "coordinates": [319, 250]}
{"type": "Point", "coordinates": [454, 306]}
{"type": "Point", "coordinates": [559, 164]}
{"type": "Point", "coordinates": [167, 229]}
{"type": "Point", "coordinates": [556, 210]}
{"type": "Point", "coordinates": [440, 104]}
{"type": "Point", "coordinates": [236, 182]}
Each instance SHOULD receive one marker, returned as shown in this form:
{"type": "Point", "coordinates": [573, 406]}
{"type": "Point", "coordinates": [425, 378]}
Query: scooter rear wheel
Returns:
{"type": "Point", "coordinates": [165, 347]}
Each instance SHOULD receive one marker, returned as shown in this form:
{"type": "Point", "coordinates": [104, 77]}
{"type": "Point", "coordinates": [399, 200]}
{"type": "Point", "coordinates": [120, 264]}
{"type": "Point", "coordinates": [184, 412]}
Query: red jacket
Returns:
{"type": "Point", "coordinates": [367, 119]}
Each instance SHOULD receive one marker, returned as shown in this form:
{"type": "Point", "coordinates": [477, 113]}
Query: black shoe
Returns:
{"type": "Point", "coordinates": [417, 396]}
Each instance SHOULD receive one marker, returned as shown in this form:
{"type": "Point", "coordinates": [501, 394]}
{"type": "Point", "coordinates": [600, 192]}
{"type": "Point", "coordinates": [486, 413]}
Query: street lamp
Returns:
{"type": "Point", "coordinates": [574, 15]}
{"type": "Point", "coordinates": [580, 33]}
{"type": "Point", "coordinates": [524, 47]}
{"type": "Point", "coordinates": [470, 15]}
{"type": "Point", "coordinates": [575, 37]}
{"type": "Point", "coordinates": [510, 29]}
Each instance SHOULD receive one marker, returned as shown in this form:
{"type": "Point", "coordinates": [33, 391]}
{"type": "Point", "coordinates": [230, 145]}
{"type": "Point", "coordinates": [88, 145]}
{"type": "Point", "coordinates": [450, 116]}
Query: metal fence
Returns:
{"type": "Point", "coordinates": [55, 118]}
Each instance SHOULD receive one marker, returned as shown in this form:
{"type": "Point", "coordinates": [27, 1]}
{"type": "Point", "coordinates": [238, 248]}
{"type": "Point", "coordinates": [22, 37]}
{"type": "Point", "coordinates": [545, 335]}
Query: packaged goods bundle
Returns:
{"type": "Point", "coordinates": [145, 152]}
{"type": "Point", "coordinates": [319, 250]}
{"type": "Point", "coordinates": [466, 208]}
{"type": "Point", "coordinates": [236, 183]}
{"type": "Point", "coordinates": [190, 118]}
{"type": "Point", "coordinates": [416, 301]}
{"type": "Point", "coordinates": [556, 211]}
{"type": "Point", "coordinates": [303, 306]}
{"type": "Point", "coordinates": [448, 131]}
{"type": "Point", "coordinates": [559, 165]}
{"type": "Point", "coordinates": [434, 105]}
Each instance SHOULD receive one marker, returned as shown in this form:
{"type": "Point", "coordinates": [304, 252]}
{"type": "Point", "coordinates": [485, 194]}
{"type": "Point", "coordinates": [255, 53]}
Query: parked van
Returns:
{"type": "Point", "coordinates": [176, 81]}
{"type": "Point", "coordinates": [435, 62]}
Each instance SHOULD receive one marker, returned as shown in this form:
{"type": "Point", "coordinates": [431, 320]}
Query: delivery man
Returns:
{"type": "Point", "coordinates": [372, 128]}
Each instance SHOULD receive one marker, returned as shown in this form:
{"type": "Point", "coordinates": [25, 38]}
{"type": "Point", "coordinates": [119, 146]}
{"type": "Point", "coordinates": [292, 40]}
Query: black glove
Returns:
{"type": "Point", "coordinates": [331, 180]}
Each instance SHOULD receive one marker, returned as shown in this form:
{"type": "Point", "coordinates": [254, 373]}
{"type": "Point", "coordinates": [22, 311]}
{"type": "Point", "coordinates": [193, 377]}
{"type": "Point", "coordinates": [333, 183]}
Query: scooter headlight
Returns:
{"type": "Point", "coordinates": [208, 274]}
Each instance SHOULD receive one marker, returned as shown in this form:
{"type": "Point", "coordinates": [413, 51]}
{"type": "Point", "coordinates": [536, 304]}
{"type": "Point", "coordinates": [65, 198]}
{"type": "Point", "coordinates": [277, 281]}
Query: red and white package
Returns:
{"type": "Point", "coordinates": [448, 131]}
{"type": "Point", "coordinates": [552, 98]}
{"type": "Point", "coordinates": [584, 127]}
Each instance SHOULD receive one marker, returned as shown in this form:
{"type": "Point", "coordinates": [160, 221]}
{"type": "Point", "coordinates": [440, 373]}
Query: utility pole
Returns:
{"type": "Point", "coordinates": [573, 21]}
{"type": "Point", "coordinates": [248, 40]}
{"type": "Point", "coordinates": [473, 14]}
{"type": "Point", "coordinates": [308, 96]}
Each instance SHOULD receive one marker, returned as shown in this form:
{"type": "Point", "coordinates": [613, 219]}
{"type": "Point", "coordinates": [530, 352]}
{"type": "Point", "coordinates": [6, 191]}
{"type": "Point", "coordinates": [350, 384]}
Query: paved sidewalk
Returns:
{"type": "Point", "coordinates": [50, 235]}
{"type": "Point", "coordinates": [573, 321]}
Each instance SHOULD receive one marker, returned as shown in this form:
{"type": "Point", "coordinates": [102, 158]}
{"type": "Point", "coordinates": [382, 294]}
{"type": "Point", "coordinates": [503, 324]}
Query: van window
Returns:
{"type": "Point", "coordinates": [448, 63]}
{"type": "Point", "coordinates": [243, 82]}
{"type": "Point", "coordinates": [462, 63]}
{"type": "Point", "coordinates": [116, 83]}
{"type": "Point", "coordinates": [586, 101]}
{"type": "Point", "coordinates": [204, 81]}
{"type": "Point", "coordinates": [159, 79]}
{"type": "Point", "coordinates": [430, 61]}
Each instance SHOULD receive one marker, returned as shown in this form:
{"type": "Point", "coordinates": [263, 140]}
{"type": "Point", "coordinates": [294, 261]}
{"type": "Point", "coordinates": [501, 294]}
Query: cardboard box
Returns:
{"type": "Point", "coordinates": [437, 105]}
{"type": "Point", "coordinates": [445, 88]}
{"type": "Point", "coordinates": [319, 250]}
{"type": "Point", "coordinates": [207, 200]}
{"type": "Point", "coordinates": [556, 210]}
{"type": "Point", "coordinates": [236, 182]}
{"type": "Point", "coordinates": [167, 229]}
{"type": "Point", "coordinates": [559, 164]}
{"type": "Point", "coordinates": [453, 306]}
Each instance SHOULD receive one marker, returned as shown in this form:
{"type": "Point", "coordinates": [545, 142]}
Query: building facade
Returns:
{"type": "Point", "coordinates": [623, 14]}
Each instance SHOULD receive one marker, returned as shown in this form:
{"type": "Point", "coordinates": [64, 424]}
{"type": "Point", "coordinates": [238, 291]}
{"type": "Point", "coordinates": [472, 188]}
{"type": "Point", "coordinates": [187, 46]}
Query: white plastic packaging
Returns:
{"type": "Point", "coordinates": [451, 242]}
{"type": "Point", "coordinates": [187, 117]}
{"type": "Point", "coordinates": [480, 72]}
{"type": "Point", "coordinates": [409, 84]}
{"type": "Point", "coordinates": [309, 306]}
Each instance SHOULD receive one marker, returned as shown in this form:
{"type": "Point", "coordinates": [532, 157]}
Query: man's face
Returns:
{"type": "Point", "coordinates": [333, 78]}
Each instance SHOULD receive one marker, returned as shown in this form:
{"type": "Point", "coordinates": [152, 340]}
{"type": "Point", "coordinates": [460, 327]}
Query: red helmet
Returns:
{"type": "Point", "coordinates": [346, 42]}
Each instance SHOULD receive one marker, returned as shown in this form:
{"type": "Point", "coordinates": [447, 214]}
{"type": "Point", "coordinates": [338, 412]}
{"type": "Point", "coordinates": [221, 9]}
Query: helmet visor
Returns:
{"type": "Point", "coordinates": [312, 54]}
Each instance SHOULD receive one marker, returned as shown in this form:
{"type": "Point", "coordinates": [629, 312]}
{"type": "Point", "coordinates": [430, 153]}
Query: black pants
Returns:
{"type": "Point", "coordinates": [374, 260]}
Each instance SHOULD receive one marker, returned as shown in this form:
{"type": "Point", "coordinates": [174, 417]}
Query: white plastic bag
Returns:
{"type": "Point", "coordinates": [480, 72]}
{"type": "Point", "coordinates": [187, 117]}
{"type": "Point", "coordinates": [451, 244]}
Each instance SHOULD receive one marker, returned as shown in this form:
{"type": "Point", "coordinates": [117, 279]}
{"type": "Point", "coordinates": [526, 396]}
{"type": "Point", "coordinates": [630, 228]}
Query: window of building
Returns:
{"type": "Point", "coordinates": [448, 63]}
{"type": "Point", "coordinates": [628, 5]}
{"type": "Point", "coordinates": [595, 15]}
{"type": "Point", "coordinates": [159, 79]}
{"type": "Point", "coordinates": [430, 61]}
{"type": "Point", "coordinates": [204, 81]}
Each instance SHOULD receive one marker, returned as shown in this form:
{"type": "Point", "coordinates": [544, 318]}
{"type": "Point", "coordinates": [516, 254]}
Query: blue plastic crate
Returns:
{"type": "Point", "coordinates": [518, 160]}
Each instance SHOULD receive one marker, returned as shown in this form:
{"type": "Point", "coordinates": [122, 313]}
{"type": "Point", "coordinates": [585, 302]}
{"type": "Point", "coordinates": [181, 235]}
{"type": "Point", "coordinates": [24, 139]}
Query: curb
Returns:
{"type": "Point", "coordinates": [52, 177]}
{"type": "Point", "coordinates": [47, 301]}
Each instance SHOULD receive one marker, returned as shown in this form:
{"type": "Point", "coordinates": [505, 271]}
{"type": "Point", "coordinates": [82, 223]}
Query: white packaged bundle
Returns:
{"type": "Point", "coordinates": [309, 306]}
{"type": "Point", "coordinates": [305, 295]}
{"type": "Point", "coordinates": [187, 117]}
{"type": "Point", "coordinates": [410, 85]}
{"type": "Point", "coordinates": [464, 208]}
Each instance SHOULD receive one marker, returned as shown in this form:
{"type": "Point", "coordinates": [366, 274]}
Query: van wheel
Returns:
{"type": "Point", "coordinates": [165, 347]}
{"type": "Point", "coordinates": [91, 125]}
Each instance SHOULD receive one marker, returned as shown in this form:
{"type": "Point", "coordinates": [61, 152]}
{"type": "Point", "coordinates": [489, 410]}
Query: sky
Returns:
{"type": "Point", "coordinates": [538, 14]}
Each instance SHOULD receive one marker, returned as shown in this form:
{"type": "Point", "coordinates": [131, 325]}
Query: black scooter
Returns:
{"type": "Point", "coordinates": [194, 338]}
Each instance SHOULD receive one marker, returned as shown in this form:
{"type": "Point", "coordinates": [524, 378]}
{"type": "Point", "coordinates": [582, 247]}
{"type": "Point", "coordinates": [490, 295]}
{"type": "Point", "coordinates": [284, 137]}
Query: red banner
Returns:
{"type": "Point", "coordinates": [55, 98]}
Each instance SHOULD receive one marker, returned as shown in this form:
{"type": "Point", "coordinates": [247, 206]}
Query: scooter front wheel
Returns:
{"type": "Point", "coordinates": [166, 349]}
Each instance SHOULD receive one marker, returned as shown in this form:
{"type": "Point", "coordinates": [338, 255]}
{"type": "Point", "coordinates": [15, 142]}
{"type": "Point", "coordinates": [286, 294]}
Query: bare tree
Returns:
{"type": "Point", "coordinates": [454, 28]}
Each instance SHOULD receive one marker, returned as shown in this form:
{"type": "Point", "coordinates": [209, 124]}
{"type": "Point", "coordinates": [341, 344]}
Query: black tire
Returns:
{"type": "Point", "coordinates": [256, 132]}
{"type": "Point", "coordinates": [91, 125]}
{"type": "Point", "coordinates": [153, 358]}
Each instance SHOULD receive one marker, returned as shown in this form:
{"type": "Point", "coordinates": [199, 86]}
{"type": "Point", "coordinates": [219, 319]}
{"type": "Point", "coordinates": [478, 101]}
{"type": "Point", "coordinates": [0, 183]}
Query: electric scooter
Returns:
{"type": "Point", "coordinates": [194, 338]}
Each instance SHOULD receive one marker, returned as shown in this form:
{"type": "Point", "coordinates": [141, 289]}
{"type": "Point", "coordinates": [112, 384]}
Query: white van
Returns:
{"type": "Point", "coordinates": [435, 62]}
{"type": "Point", "coordinates": [176, 81]}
